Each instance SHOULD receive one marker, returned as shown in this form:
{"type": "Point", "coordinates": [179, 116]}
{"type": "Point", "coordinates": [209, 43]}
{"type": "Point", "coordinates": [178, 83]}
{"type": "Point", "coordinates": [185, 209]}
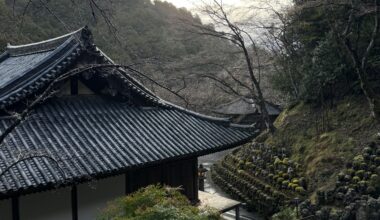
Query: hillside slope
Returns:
{"type": "Point", "coordinates": [324, 152]}
{"type": "Point", "coordinates": [319, 156]}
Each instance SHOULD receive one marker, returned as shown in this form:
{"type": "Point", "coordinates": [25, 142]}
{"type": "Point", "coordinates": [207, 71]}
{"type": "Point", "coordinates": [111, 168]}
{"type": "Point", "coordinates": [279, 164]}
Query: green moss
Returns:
{"type": "Point", "coordinates": [321, 156]}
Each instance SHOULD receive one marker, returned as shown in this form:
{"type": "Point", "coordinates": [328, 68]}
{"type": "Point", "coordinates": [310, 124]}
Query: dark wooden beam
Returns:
{"type": "Point", "coordinates": [74, 85]}
{"type": "Point", "coordinates": [15, 208]}
{"type": "Point", "coordinates": [74, 202]}
{"type": "Point", "coordinates": [128, 182]}
{"type": "Point", "coordinates": [195, 179]}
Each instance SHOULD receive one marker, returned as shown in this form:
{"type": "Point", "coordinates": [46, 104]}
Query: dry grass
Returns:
{"type": "Point", "coordinates": [324, 154]}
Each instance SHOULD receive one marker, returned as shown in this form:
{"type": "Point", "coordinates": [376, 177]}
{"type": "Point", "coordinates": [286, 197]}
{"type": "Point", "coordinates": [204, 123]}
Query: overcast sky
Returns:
{"type": "Point", "coordinates": [241, 5]}
{"type": "Point", "coordinates": [241, 11]}
{"type": "Point", "coordinates": [191, 3]}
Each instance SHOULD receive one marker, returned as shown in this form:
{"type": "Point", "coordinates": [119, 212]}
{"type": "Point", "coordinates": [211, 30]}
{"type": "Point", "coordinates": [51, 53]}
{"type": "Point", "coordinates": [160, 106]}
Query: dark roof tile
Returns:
{"type": "Point", "coordinates": [90, 136]}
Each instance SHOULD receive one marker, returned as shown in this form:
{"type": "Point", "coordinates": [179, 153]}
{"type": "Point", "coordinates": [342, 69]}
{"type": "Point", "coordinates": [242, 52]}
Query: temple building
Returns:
{"type": "Point", "coordinates": [245, 110]}
{"type": "Point", "coordinates": [95, 134]}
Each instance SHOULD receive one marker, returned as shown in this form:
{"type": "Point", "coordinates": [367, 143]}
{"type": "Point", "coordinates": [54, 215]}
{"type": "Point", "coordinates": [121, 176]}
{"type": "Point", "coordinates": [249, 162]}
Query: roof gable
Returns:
{"type": "Point", "coordinates": [40, 63]}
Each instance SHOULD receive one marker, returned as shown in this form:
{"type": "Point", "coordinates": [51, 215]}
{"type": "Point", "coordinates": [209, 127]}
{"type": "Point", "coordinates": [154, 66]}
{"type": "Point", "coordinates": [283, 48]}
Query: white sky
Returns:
{"type": "Point", "coordinates": [189, 4]}
{"type": "Point", "coordinates": [241, 8]}
{"type": "Point", "coordinates": [193, 3]}
{"type": "Point", "coordinates": [241, 11]}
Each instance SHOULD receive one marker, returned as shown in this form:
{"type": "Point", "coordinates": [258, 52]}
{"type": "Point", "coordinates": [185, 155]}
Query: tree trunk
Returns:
{"type": "Point", "coordinates": [256, 85]}
{"type": "Point", "coordinates": [372, 97]}
{"type": "Point", "coordinates": [360, 64]}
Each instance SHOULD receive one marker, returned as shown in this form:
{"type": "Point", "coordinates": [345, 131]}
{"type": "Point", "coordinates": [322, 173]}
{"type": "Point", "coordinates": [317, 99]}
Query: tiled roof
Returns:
{"type": "Point", "coordinates": [24, 69]}
{"type": "Point", "coordinates": [91, 137]}
{"type": "Point", "coordinates": [245, 106]}
{"type": "Point", "coordinates": [88, 136]}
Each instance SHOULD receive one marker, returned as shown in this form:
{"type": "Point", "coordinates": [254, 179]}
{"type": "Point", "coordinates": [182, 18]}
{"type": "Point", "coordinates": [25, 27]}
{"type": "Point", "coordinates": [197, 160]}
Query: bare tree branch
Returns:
{"type": "Point", "coordinates": [30, 157]}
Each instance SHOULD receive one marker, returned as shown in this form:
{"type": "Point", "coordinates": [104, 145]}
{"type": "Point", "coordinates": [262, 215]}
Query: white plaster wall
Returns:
{"type": "Point", "coordinates": [54, 204]}
{"type": "Point", "coordinates": [5, 209]}
{"type": "Point", "coordinates": [93, 197]}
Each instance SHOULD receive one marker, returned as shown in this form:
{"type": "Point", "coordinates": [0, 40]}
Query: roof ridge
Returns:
{"type": "Point", "coordinates": [197, 114]}
{"type": "Point", "coordinates": [41, 46]}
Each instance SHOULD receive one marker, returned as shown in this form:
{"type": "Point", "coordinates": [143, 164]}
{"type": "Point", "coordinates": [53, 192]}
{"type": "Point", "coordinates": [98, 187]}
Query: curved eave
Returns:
{"type": "Point", "coordinates": [43, 72]}
{"type": "Point", "coordinates": [154, 99]}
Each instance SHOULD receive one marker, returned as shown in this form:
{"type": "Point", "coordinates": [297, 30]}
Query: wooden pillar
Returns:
{"type": "Point", "coordinates": [15, 208]}
{"type": "Point", "coordinates": [74, 202]}
{"type": "Point", "coordinates": [237, 213]}
{"type": "Point", "coordinates": [195, 179]}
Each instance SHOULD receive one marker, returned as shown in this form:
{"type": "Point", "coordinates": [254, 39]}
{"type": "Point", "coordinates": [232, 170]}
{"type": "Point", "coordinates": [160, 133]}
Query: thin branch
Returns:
{"type": "Point", "coordinates": [3, 172]}
{"type": "Point", "coordinates": [224, 84]}
{"type": "Point", "coordinates": [374, 34]}
{"type": "Point", "coordinates": [158, 84]}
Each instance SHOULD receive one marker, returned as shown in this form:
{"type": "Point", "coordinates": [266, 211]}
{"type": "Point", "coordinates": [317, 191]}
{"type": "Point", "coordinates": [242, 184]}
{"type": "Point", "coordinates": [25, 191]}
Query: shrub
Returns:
{"type": "Point", "coordinates": [288, 214]}
{"type": "Point", "coordinates": [155, 203]}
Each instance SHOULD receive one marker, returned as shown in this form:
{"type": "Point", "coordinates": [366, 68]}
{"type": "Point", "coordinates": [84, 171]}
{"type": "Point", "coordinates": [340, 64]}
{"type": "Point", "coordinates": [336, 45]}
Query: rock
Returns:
{"type": "Point", "coordinates": [347, 178]}
{"type": "Point", "coordinates": [333, 216]}
{"type": "Point", "coordinates": [367, 150]}
{"type": "Point", "coordinates": [361, 213]}
{"type": "Point", "coordinates": [318, 214]}
{"type": "Point", "coordinates": [330, 196]}
{"type": "Point", "coordinates": [341, 176]}
{"type": "Point", "coordinates": [348, 212]}
{"type": "Point", "coordinates": [342, 189]}
{"type": "Point", "coordinates": [374, 216]}
{"type": "Point", "coordinates": [370, 190]}
{"type": "Point", "coordinates": [350, 196]}
{"type": "Point", "coordinates": [372, 168]}
{"type": "Point", "coordinates": [321, 197]}
{"type": "Point", "coordinates": [325, 213]}
{"type": "Point", "coordinates": [306, 209]}
{"type": "Point", "coordinates": [339, 196]}
{"type": "Point", "coordinates": [373, 205]}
